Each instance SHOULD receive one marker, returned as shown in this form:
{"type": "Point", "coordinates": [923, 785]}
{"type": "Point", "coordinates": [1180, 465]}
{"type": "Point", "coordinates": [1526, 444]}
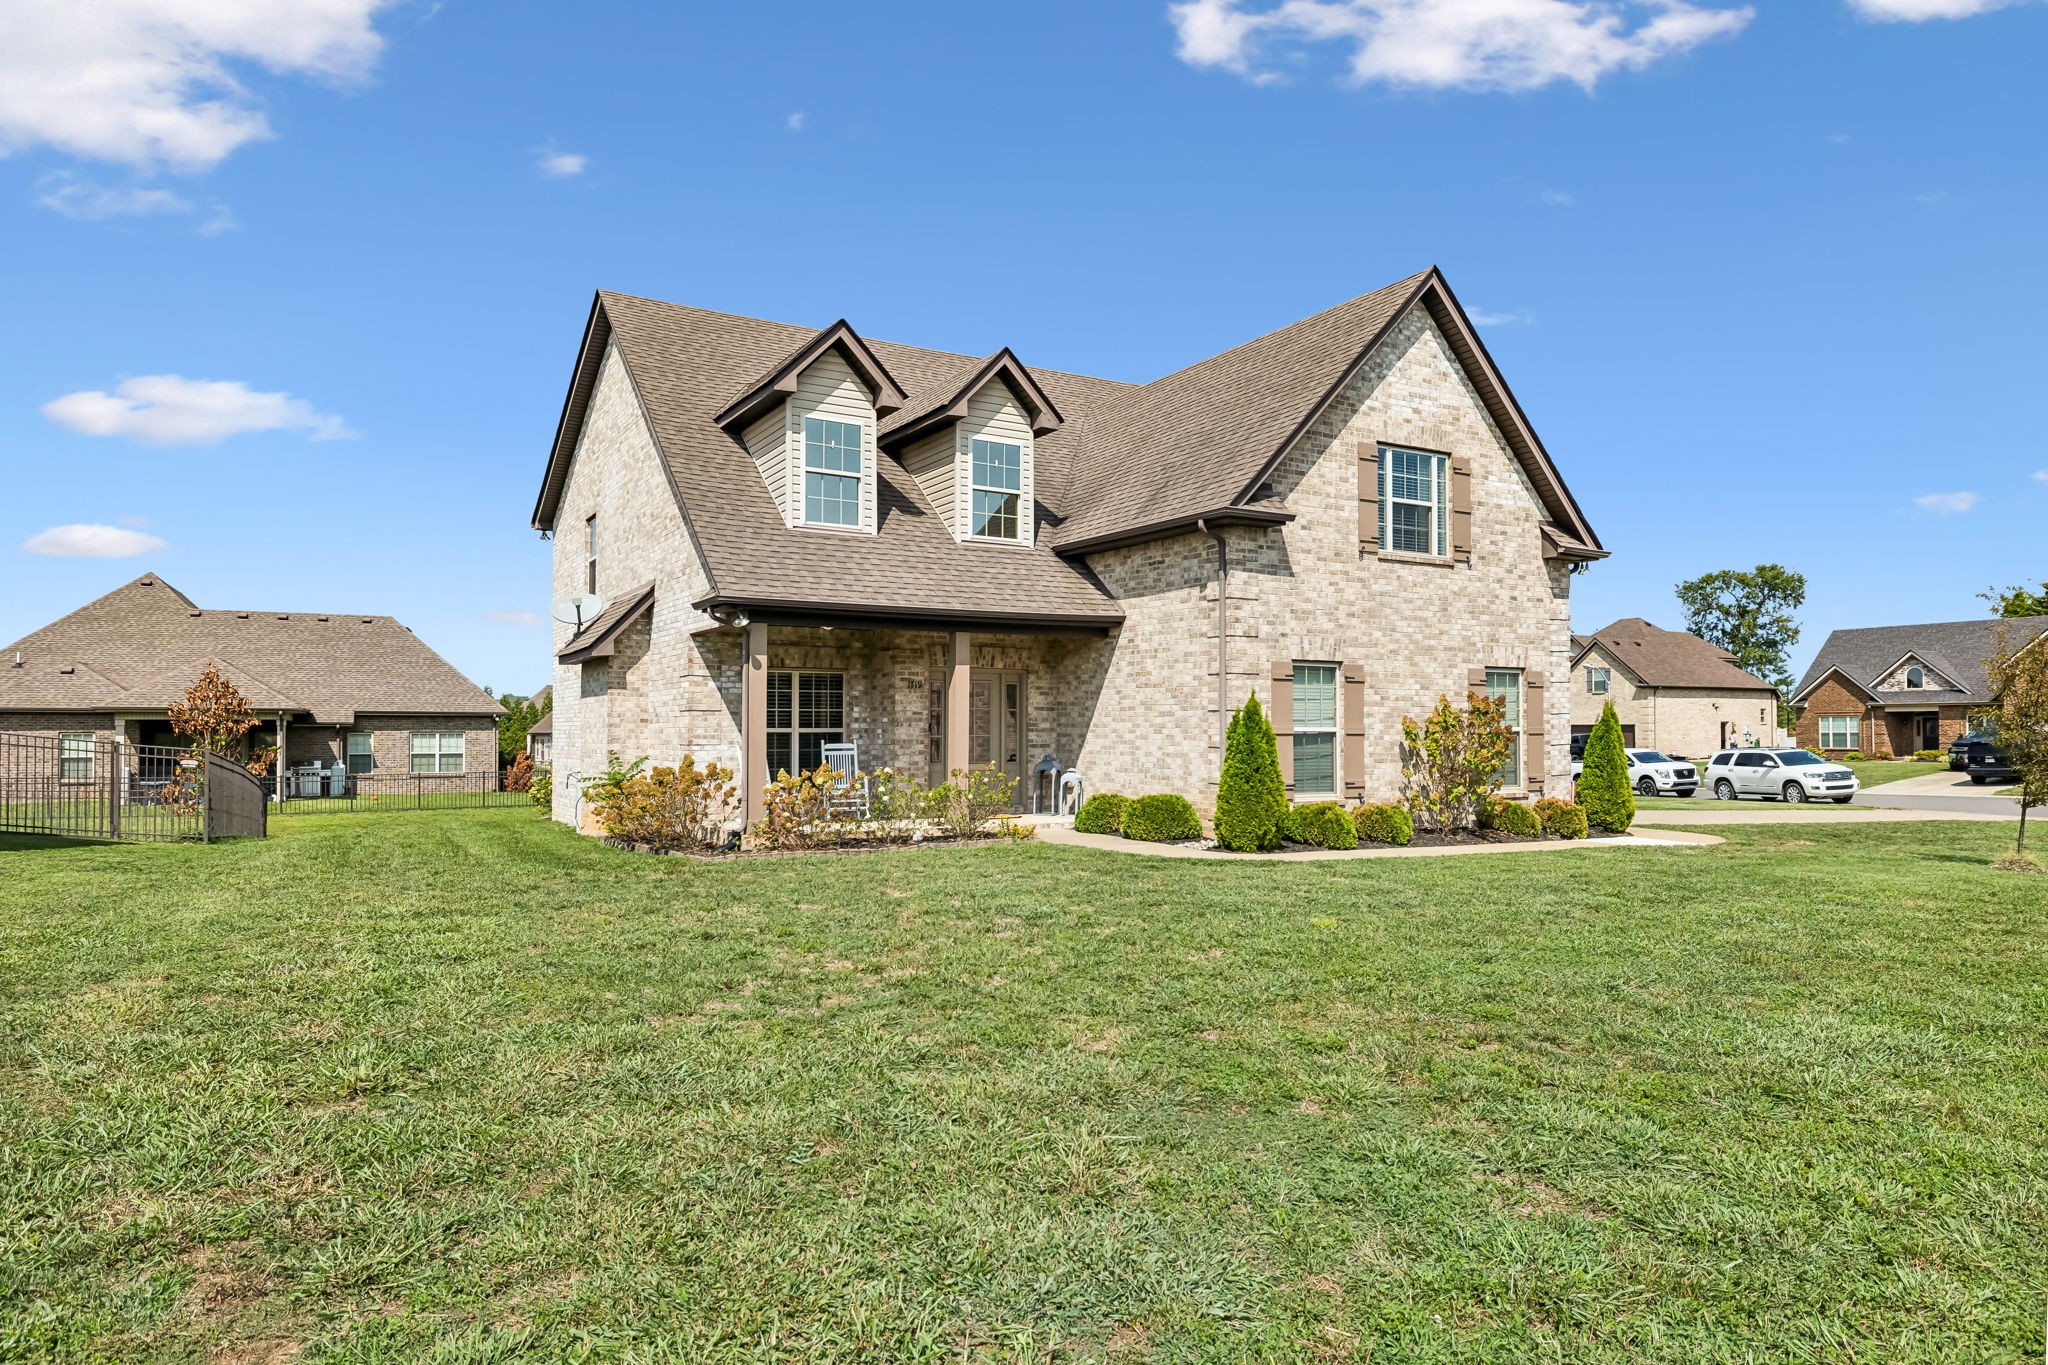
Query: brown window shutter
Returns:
{"type": "Point", "coordinates": [1369, 497]}
{"type": "Point", "coordinates": [1475, 681]}
{"type": "Point", "coordinates": [1532, 730]}
{"type": "Point", "coordinates": [1461, 510]}
{"type": "Point", "coordinates": [1353, 757]}
{"type": "Point", "coordinates": [1283, 717]}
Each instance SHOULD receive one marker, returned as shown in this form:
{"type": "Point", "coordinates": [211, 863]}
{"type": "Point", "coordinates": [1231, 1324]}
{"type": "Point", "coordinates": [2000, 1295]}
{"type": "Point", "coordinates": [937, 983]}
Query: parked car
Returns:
{"type": "Point", "coordinates": [1784, 774]}
{"type": "Point", "coordinates": [1959, 752]}
{"type": "Point", "coordinates": [1649, 772]}
{"type": "Point", "coordinates": [1984, 760]}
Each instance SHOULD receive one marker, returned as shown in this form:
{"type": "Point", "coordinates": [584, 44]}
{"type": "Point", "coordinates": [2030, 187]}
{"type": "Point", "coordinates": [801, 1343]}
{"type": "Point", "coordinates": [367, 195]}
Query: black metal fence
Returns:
{"type": "Point", "coordinates": [334, 793]}
{"type": "Point", "coordinates": [88, 787]}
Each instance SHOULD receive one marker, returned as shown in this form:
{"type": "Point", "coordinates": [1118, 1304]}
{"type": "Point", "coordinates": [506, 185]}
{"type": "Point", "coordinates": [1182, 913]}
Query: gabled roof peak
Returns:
{"type": "Point", "coordinates": [951, 405]}
{"type": "Point", "coordinates": [781, 379]}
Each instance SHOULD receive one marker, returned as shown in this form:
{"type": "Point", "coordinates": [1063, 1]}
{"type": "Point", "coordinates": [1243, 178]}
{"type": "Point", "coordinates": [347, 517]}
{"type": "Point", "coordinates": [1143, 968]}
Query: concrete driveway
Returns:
{"type": "Point", "coordinates": [1947, 791]}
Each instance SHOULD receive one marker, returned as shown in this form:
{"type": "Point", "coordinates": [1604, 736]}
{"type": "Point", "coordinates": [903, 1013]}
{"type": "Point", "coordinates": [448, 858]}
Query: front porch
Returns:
{"type": "Point", "coordinates": [923, 702]}
{"type": "Point", "coordinates": [1902, 731]}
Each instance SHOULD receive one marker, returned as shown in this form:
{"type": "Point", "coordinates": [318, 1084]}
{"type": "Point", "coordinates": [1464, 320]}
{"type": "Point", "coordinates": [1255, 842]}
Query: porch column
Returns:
{"type": "Point", "coordinates": [277, 764]}
{"type": "Point", "coordinates": [754, 719]}
{"type": "Point", "coordinates": [959, 649]}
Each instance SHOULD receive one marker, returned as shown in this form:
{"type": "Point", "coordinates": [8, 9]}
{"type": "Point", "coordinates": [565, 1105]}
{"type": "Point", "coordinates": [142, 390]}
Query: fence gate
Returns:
{"type": "Point", "coordinates": [87, 787]}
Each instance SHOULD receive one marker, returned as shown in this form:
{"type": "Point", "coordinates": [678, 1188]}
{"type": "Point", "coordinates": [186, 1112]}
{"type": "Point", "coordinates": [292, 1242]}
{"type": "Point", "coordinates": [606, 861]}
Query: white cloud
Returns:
{"type": "Point", "coordinates": [91, 542]}
{"type": "Point", "coordinates": [795, 122]}
{"type": "Point", "coordinates": [560, 165]}
{"type": "Point", "coordinates": [522, 619]}
{"type": "Point", "coordinates": [1915, 11]}
{"type": "Point", "coordinates": [75, 198]}
{"type": "Point", "coordinates": [168, 409]}
{"type": "Point", "coordinates": [1946, 504]}
{"type": "Point", "coordinates": [1557, 199]}
{"type": "Point", "coordinates": [152, 83]}
{"type": "Point", "coordinates": [1485, 319]}
{"type": "Point", "coordinates": [1455, 44]}
{"type": "Point", "coordinates": [2041, 476]}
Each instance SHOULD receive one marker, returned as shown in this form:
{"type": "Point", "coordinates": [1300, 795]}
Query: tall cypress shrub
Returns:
{"type": "Point", "coordinates": [1250, 797]}
{"type": "Point", "coordinates": [1603, 791]}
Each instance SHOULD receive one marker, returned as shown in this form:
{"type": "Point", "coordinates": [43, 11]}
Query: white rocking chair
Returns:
{"type": "Point", "coordinates": [847, 794]}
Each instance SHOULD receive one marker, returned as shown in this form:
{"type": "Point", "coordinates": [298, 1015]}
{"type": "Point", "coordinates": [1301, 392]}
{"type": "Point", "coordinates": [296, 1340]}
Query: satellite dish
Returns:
{"type": "Point", "coordinates": [578, 610]}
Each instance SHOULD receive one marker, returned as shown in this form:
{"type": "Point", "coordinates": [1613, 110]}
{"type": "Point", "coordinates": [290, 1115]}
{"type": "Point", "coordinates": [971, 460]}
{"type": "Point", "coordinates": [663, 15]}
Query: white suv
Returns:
{"type": "Point", "coordinates": [1653, 774]}
{"type": "Point", "coordinates": [1789, 774]}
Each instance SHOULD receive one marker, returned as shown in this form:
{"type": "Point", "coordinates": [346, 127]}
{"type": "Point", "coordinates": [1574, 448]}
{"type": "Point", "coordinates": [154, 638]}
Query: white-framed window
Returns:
{"type": "Point", "coordinates": [832, 471]}
{"type": "Point", "coordinates": [1841, 732]}
{"type": "Point", "coordinates": [74, 755]}
{"type": "Point", "coordinates": [1315, 729]}
{"type": "Point", "coordinates": [437, 752]}
{"type": "Point", "coordinates": [361, 756]}
{"type": "Point", "coordinates": [1415, 502]}
{"type": "Point", "coordinates": [998, 489]}
{"type": "Point", "coordinates": [590, 554]}
{"type": "Point", "coordinates": [1916, 676]}
{"type": "Point", "coordinates": [1597, 681]}
{"type": "Point", "coordinates": [806, 711]}
{"type": "Point", "coordinates": [1505, 684]}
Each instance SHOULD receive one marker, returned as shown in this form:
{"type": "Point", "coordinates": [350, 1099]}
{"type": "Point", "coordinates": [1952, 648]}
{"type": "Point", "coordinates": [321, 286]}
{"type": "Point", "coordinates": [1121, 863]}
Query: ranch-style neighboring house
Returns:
{"type": "Point", "coordinates": [1672, 691]}
{"type": "Point", "coordinates": [1894, 690]}
{"type": "Point", "coordinates": [340, 687]}
{"type": "Point", "coordinates": [804, 536]}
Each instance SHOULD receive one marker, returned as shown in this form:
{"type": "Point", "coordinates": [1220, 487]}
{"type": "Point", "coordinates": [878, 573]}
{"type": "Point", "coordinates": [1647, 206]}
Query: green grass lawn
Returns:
{"type": "Point", "coordinates": [460, 1086]}
{"type": "Point", "coordinates": [1872, 772]}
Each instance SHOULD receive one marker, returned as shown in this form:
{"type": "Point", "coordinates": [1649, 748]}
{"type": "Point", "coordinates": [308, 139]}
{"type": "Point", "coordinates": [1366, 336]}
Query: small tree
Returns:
{"type": "Point", "coordinates": [214, 714]}
{"type": "Point", "coordinates": [2017, 601]}
{"type": "Point", "coordinates": [521, 715]}
{"type": "Point", "coordinates": [1452, 761]}
{"type": "Point", "coordinates": [1250, 797]}
{"type": "Point", "coordinates": [2018, 673]}
{"type": "Point", "coordinates": [1603, 789]}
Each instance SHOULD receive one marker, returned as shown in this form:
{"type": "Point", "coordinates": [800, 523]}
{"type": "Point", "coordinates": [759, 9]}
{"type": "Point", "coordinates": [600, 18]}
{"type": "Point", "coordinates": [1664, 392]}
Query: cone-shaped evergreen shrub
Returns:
{"type": "Point", "coordinates": [1250, 798]}
{"type": "Point", "coordinates": [1603, 791]}
{"type": "Point", "coordinates": [1102, 813]}
{"type": "Point", "coordinates": [1161, 819]}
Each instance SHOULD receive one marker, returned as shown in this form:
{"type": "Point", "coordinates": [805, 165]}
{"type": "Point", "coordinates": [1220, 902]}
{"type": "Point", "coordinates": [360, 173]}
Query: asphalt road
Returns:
{"type": "Point", "coordinates": [1982, 800]}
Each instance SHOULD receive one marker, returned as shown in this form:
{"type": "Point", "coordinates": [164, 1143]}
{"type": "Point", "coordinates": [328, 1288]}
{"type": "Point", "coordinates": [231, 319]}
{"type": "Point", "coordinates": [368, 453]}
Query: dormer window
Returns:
{"type": "Point", "coordinates": [998, 488]}
{"type": "Point", "coordinates": [832, 472]}
{"type": "Point", "coordinates": [1916, 676]}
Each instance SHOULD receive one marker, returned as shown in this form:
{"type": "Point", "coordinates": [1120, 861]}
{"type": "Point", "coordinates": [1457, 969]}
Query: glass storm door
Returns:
{"type": "Point", "coordinates": [995, 722]}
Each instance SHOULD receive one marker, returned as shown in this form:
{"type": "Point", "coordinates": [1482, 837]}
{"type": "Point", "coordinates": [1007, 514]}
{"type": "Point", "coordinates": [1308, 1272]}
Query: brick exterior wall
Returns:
{"type": "Point", "coordinates": [99, 724]}
{"type": "Point", "coordinates": [1833, 697]}
{"type": "Point", "coordinates": [1685, 722]}
{"type": "Point", "coordinates": [1136, 712]}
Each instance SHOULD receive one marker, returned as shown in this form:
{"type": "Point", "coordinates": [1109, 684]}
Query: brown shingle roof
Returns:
{"type": "Point", "coordinates": [142, 645]}
{"type": "Point", "coordinates": [1130, 461]}
{"type": "Point", "coordinates": [1669, 658]}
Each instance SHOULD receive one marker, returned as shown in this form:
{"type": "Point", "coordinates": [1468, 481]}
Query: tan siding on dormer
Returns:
{"type": "Point", "coordinates": [829, 389]}
{"type": "Point", "coordinates": [767, 441]}
{"type": "Point", "coordinates": [993, 414]}
{"type": "Point", "coordinates": [934, 462]}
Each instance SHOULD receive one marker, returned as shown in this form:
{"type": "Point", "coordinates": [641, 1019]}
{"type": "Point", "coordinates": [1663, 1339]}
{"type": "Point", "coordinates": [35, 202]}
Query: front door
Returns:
{"type": "Point", "coordinates": [995, 722]}
{"type": "Point", "coordinates": [1930, 731]}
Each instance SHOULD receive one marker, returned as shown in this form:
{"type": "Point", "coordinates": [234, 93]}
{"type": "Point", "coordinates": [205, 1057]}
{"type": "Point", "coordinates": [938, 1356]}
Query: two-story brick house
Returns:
{"type": "Point", "coordinates": [802, 537]}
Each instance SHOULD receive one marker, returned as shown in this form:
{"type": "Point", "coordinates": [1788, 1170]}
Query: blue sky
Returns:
{"type": "Point", "coordinates": [293, 289]}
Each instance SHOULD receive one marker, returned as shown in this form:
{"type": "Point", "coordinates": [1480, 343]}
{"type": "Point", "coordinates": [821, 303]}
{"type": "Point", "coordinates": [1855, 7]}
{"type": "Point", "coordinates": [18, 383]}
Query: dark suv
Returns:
{"type": "Point", "coordinates": [1959, 751]}
{"type": "Point", "coordinates": [1983, 760]}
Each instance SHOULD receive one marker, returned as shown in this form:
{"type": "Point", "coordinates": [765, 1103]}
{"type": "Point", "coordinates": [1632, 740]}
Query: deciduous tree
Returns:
{"type": "Point", "coordinates": [2016, 602]}
{"type": "Point", "coordinates": [1748, 612]}
{"type": "Point", "coordinates": [214, 714]}
{"type": "Point", "coordinates": [2018, 674]}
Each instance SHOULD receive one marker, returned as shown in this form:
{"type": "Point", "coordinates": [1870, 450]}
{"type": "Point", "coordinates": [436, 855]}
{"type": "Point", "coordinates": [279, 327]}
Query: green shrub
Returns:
{"type": "Point", "coordinates": [1250, 797]}
{"type": "Point", "coordinates": [1928, 755]}
{"type": "Point", "coordinates": [1851, 757]}
{"type": "Point", "coordinates": [1161, 819]}
{"type": "Point", "coordinates": [1294, 821]}
{"type": "Point", "coordinates": [1384, 824]}
{"type": "Point", "coordinates": [1512, 817]}
{"type": "Point", "coordinates": [1563, 820]}
{"type": "Point", "coordinates": [1102, 813]}
{"type": "Point", "coordinates": [1603, 790]}
{"type": "Point", "coordinates": [1325, 824]}
{"type": "Point", "coordinates": [542, 788]}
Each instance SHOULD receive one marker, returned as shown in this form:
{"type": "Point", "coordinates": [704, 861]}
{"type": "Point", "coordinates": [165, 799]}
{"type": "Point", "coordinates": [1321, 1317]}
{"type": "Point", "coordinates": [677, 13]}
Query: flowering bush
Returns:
{"type": "Point", "coordinates": [682, 809]}
{"type": "Point", "coordinates": [1451, 761]}
{"type": "Point", "coordinates": [797, 812]}
{"type": "Point", "coordinates": [974, 797]}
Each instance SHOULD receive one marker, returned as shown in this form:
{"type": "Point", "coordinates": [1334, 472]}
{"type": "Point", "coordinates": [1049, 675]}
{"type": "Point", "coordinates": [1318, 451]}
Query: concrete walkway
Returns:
{"type": "Point", "coordinates": [1065, 834]}
{"type": "Point", "coordinates": [1948, 792]}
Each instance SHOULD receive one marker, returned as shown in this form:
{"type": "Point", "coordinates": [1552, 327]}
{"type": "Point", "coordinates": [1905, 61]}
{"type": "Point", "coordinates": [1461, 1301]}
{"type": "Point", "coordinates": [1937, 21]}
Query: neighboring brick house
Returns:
{"type": "Point", "coordinates": [341, 688]}
{"type": "Point", "coordinates": [540, 737]}
{"type": "Point", "coordinates": [802, 537]}
{"type": "Point", "coordinates": [1894, 690]}
{"type": "Point", "coordinates": [1671, 691]}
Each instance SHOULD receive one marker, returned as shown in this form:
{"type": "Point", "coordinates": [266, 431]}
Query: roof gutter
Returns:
{"type": "Point", "coordinates": [1222, 641]}
{"type": "Point", "coordinates": [732, 609]}
{"type": "Point", "coordinates": [1199, 523]}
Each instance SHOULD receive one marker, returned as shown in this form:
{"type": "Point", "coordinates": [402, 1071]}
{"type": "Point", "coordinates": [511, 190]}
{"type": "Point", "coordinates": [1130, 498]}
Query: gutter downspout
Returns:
{"type": "Point", "coordinates": [1222, 639]}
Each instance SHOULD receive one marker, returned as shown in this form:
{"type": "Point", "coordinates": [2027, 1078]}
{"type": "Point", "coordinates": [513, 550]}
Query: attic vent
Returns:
{"type": "Point", "coordinates": [366, 620]}
{"type": "Point", "coordinates": [192, 613]}
{"type": "Point", "coordinates": [319, 618]}
{"type": "Point", "coordinates": [241, 616]}
{"type": "Point", "coordinates": [149, 582]}
{"type": "Point", "coordinates": [67, 669]}
{"type": "Point", "coordinates": [282, 617]}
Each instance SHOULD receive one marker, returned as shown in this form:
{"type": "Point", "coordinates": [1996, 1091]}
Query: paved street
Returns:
{"type": "Point", "coordinates": [1946, 792]}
